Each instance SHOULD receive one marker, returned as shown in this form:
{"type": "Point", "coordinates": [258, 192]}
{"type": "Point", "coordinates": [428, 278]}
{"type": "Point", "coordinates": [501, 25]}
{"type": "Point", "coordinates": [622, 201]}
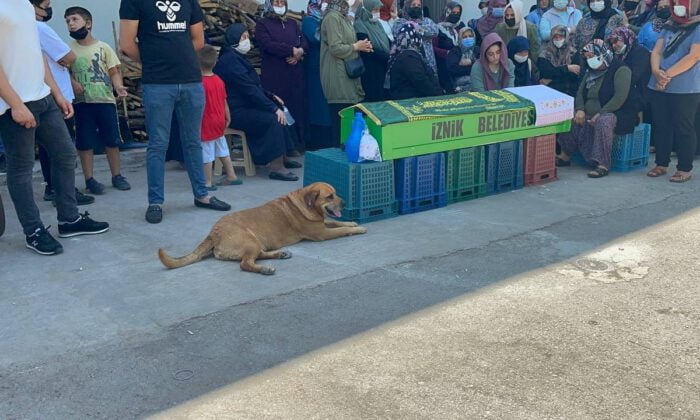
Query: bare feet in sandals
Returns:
{"type": "Point", "coordinates": [681, 176]}
{"type": "Point", "coordinates": [657, 172]}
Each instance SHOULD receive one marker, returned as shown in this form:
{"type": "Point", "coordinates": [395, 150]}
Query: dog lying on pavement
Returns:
{"type": "Point", "coordinates": [261, 232]}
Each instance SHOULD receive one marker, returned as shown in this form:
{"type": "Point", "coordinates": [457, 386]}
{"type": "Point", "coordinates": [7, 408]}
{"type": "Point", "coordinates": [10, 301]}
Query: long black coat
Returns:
{"type": "Point", "coordinates": [411, 77]}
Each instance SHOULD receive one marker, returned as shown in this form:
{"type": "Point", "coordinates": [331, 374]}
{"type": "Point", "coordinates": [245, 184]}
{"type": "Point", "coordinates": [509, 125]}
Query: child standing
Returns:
{"type": "Point", "coordinates": [96, 74]}
{"type": "Point", "coordinates": [215, 120]}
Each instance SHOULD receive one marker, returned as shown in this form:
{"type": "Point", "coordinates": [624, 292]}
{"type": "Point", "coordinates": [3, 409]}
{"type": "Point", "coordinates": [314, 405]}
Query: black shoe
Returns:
{"type": "Point", "coordinates": [120, 183]}
{"type": "Point", "coordinates": [83, 225]}
{"type": "Point", "coordinates": [291, 164]}
{"type": "Point", "coordinates": [293, 153]}
{"type": "Point", "coordinates": [154, 214]}
{"type": "Point", "coordinates": [82, 199]}
{"type": "Point", "coordinates": [94, 187]}
{"type": "Point", "coordinates": [43, 243]}
{"type": "Point", "coordinates": [49, 194]}
{"type": "Point", "coordinates": [214, 204]}
{"type": "Point", "coordinates": [561, 162]}
{"type": "Point", "coordinates": [279, 176]}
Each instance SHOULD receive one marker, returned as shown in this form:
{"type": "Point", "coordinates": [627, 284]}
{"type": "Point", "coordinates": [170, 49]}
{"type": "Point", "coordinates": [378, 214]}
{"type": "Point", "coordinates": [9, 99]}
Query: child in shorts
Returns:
{"type": "Point", "coordinates": [95, 76]}
{"type": "Point", "coordinates": [214, 121]}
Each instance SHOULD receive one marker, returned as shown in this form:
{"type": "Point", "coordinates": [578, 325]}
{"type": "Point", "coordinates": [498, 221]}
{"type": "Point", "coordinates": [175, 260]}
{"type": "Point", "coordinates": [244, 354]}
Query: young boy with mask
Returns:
{"type": "Point", "coordinates": [96, 74]}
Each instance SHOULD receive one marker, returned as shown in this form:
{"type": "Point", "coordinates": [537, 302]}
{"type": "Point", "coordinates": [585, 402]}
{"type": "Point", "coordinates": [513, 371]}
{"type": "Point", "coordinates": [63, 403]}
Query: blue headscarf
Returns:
{"type": "Point", "coordinates": [522, 70]}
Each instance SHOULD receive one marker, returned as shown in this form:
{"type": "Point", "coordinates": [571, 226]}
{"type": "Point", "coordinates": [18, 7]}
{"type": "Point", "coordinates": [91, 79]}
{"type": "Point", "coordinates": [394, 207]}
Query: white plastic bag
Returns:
{"type": "Point", "coordinates": [369, 148]}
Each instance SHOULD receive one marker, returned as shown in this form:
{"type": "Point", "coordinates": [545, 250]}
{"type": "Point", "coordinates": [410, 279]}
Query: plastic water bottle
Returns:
{"type": "Point", "coordinates": [352, 143]}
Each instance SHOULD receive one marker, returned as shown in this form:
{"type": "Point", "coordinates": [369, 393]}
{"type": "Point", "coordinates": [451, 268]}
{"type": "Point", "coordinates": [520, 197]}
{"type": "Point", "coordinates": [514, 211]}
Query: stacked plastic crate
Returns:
{"type": "Point", "coordinates": [367, 188]}
{"type": "Point", "coordinates": [466, 174]}
{"type": "Point", "coordinates": [540, 159]}
{"type": "Point", "coordinates": [631, 151]}
{"type": "Point", "coordinates": [504, 166]}
{"type": "Point", "coordinates": [420, 183]}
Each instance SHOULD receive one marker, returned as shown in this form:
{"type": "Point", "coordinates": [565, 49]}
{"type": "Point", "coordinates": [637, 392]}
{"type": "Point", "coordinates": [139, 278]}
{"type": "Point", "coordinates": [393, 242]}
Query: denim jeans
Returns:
{"type": "Point", "coordinates": [187, 100]}
{"type": "Point", "coordinates": [52, 134]}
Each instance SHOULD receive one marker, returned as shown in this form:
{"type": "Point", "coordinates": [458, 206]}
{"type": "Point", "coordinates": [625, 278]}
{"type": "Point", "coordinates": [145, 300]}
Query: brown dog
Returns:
{"type": "Point", "coordinates": [259, 233]}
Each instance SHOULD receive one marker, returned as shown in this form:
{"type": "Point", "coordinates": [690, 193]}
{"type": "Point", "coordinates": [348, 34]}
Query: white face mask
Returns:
{"type": "Point", "coordinates": [376, 16]}
{"type": "Point", "coordinates": [520, 58]}
{"type": "Point", "coordinates": [594, 62]}
{"type": "Point", "coordinates": [243, 46]}
{"type": "Point", "coordinates": [484, 11]}
{"type": "Point", "coordinates": [621, 50]}
{"type": "Point", "coordinates": [679, 11]}
{"type": "Point", "coordinates": [558, 43]}
{"type": "Point", "coordinates": [351, 2]}
{"type": "Point", "coordinates": [324, 6]}
{"type": "Point", "coordinates": [597, 6]}
{"type": "Point", "coordinates": [280, 10]}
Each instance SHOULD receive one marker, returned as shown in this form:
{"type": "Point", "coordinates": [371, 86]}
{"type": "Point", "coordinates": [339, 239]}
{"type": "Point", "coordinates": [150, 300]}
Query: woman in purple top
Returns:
{"type": "Point", "coordinates": [283, 47]}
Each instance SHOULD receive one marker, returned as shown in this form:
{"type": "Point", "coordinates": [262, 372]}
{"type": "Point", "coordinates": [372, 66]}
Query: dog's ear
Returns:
{"type": "Point", "coordinates": [310, 198]}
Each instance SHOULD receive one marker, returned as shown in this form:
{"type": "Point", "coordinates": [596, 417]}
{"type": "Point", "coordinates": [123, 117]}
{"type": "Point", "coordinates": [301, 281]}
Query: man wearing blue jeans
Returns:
{"type": "Point", "coordinates": [168, 37]}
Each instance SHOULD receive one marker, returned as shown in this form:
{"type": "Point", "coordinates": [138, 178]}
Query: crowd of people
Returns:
{"type": "Point", "coordinates": [626, 62]}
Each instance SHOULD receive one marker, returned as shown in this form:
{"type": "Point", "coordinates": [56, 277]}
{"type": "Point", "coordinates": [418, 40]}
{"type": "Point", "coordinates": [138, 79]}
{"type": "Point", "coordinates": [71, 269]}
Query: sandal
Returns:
{"type": "Point", "coordinates": [598, 172]}
{"type": "Point", "coordinates": [225, 181]}
{"type": "Point", "coordinates": [561, 162]}
{"type": "Point", "coordinates": [291, 164]}
{"type": "Point", "coordinates": [657, 172]}
{"type": "Point", "coordinates": [680, 177]}
{"type": "Point", "coordinates": [283, 177]}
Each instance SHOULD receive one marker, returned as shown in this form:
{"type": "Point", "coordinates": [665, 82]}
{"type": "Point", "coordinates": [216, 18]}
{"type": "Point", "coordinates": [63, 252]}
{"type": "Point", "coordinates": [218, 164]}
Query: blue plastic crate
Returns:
{"type": "Point", "coordinates": [362, 185]}
{"type": "Point", "coordinates": [631, 151]}
{"type": "Point", "coordinates": [370, 214]}
{"type": "Point", "coordinates": [504, 166]}
{"type": "Point", "coordinates": [420, 182]}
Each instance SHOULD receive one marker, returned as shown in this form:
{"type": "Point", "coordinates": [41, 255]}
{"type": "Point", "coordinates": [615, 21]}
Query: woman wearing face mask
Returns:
{"type": "Point", "coordinates": [282, 48]}
{"type": "Point", "coordinates": [675, 90]}
{"type": "Point", "coordinates": [493, 70]}
{"type": "Point", "coordinates": [557, 62]}
{"type": "Point", "coordinates": [519, 54]}
{"type": "Point", "coordinates": [494, 16]}
{"type": "Point", "coordinates": [474, 23]}
{"type": "Point", "coordinates": [598, 23]}
{"type": "Point", "coordinates": [447, 39]}
{"type": "Point", "coordinates": [563, 13]}
{"type": "Point", "coordinates": [367, 25]}
{"type": "Point", "coordinates": [254, 110]}
{"type": "Point", "coordinates": [460, 60]}
{"type": "Point", "coordinates": [536, 15]}
{"type": "Point", "coordinates": [409, 73]}
{"type": "Point", "coordinates": [427, 29]}
{"type": "Point", "coordinates": [338, 44]}
{"type": "Point", "coordinates": [515, 25]}
{"type": "Point", "coordinates": [651, 30]}
{"type": "Point", "coordinates": [319, 115]}
{"type": "Point", "coordinates": [603, 91]}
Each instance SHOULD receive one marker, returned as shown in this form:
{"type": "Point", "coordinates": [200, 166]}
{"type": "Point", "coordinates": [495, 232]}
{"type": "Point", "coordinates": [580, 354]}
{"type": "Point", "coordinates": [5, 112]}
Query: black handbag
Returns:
{"type": "Point", "coordinates": [355, 67]}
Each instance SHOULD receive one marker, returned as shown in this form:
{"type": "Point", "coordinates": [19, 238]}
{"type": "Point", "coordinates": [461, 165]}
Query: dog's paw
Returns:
{"type": "Point", "coordinates": [352, 224]}
{"type": "Point", "coordinates": [285, 255]}
{"type": "Point", "coordinates": [268, 271]}
{"type": "Point", "coordinates": [360, 230]}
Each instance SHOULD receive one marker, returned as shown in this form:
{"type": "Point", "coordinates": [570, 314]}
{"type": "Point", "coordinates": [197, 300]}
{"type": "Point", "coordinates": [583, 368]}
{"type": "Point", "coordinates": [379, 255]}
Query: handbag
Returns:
{"type": "Point", "coordinates": [355, 67]}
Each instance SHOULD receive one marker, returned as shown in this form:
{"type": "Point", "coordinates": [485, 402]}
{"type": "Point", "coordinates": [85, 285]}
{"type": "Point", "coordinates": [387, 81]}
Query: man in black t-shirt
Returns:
{"type": "Point", "coordinates": [169, 34]}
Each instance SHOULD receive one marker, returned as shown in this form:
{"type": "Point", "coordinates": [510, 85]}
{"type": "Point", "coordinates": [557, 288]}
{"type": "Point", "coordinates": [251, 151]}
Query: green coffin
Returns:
{"type": "Point", "coordinates": [421, 126]}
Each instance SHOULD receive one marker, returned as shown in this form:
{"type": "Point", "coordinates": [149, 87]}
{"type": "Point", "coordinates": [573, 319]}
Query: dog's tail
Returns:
{"type": "Point", "coordinates": [203, 250]}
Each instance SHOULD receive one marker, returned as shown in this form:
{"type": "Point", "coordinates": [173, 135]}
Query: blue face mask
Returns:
{"type": "Point", "coordinates": [561, 4]}
{"type": "Point", "coordinates": [498, 11]}
{"type": "Point", "coordinates": [468, 42]}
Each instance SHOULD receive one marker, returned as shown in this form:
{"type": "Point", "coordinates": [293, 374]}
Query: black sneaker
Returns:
{"type": "Point", "coordinates": [43, 243]}
{"type": "Point", "coordinates": [154, 214]}
{"type": "Point", "coordinates": [94, 187]}
{"type": "Point", "coordinates": [120, 183]}
{"type": "Point", "coordinates": [82, 199]}
{"type": "Point", "coordinates": [49, 194]}
{"type": "Point", "coordinates": [83, 225]}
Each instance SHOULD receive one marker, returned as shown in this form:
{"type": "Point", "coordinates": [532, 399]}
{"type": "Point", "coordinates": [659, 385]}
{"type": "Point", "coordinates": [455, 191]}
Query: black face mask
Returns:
{"type": "Point", "coordinates": [80, 34]}
{"type": "Point", "coordinates": [663, 13]}
{"type": "Point", "coordinates": [49, 14]}
{"type": "Point", "coordinates": [629, 6]}
{"type": "Point", "coordinates": [415, 12]}
{"type": "Point", "coordinates": [510, 22]}
{"type": "Point", "coordinates": [453, 18]}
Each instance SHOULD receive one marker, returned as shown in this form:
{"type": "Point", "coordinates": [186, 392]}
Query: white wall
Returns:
{"type": "Point", "coordinates": [103, 13]}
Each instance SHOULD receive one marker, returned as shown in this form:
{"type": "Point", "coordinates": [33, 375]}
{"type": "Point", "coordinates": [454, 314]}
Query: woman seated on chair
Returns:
{"type": "Point", "coordinates": [258, 113]}
{"type": "Point", "coordinates": [602, 93]}
{"type": "Point", "coordinates": [410, 76]}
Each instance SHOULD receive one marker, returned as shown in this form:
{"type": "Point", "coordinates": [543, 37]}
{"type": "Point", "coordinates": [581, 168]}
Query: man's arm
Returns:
{"type": "Point", "coordinates": [66, 107]}
{"type": "Point", "coordinates": [128, 31]}
{"type": "Point", "coordinates": [197, 34]}
{"type": "Point", "coordinates": [67, 60]}
{"type": "Point", "coordinates": [20, 113]}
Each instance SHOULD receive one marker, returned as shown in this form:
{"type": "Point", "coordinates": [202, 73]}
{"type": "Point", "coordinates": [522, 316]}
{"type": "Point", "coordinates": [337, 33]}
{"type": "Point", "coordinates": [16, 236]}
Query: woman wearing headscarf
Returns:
{"type": "Point", "coordinates": [460, 60]}
{"type": "Point", "coordinates": [623, 43]}
{"type": "Point", "coordinates": [514, 24]}
{"type": "Point", "coordinates": [447, 39]}
{"type": "Point", "coordinates": [413, 13]}
{"type": "Point", "coordinates": [282, 49]}
{"type": "Point", "coordinates": [603, 91]}
{"type": "Point", "coordinates": [494, 16]}
{"type": "Point", "coordinates": [563, 13]}
{"type": "Point", "coordinates": [254, 110]}
{"type": "Point", "coordinates": [519, 54]}
{"type": "Point", "coordinates": [493, 70]}
{"type": "Point", "coordinates": [338, 44]}
{"type": "Point", "coordinates": [598, 23]}
{"type": "Point", "coordinates": [409, 73]}
{"type": "Point", "coordinates": [651, 30]}
{"type": "Point", "coordinates": [319, 116]}
{"type": "Point", "coordinates": [675, 90]}
{"type": "Point", "coordinates": [557, 62]}
{"type": "Point", "coordinates": [367, 25]}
